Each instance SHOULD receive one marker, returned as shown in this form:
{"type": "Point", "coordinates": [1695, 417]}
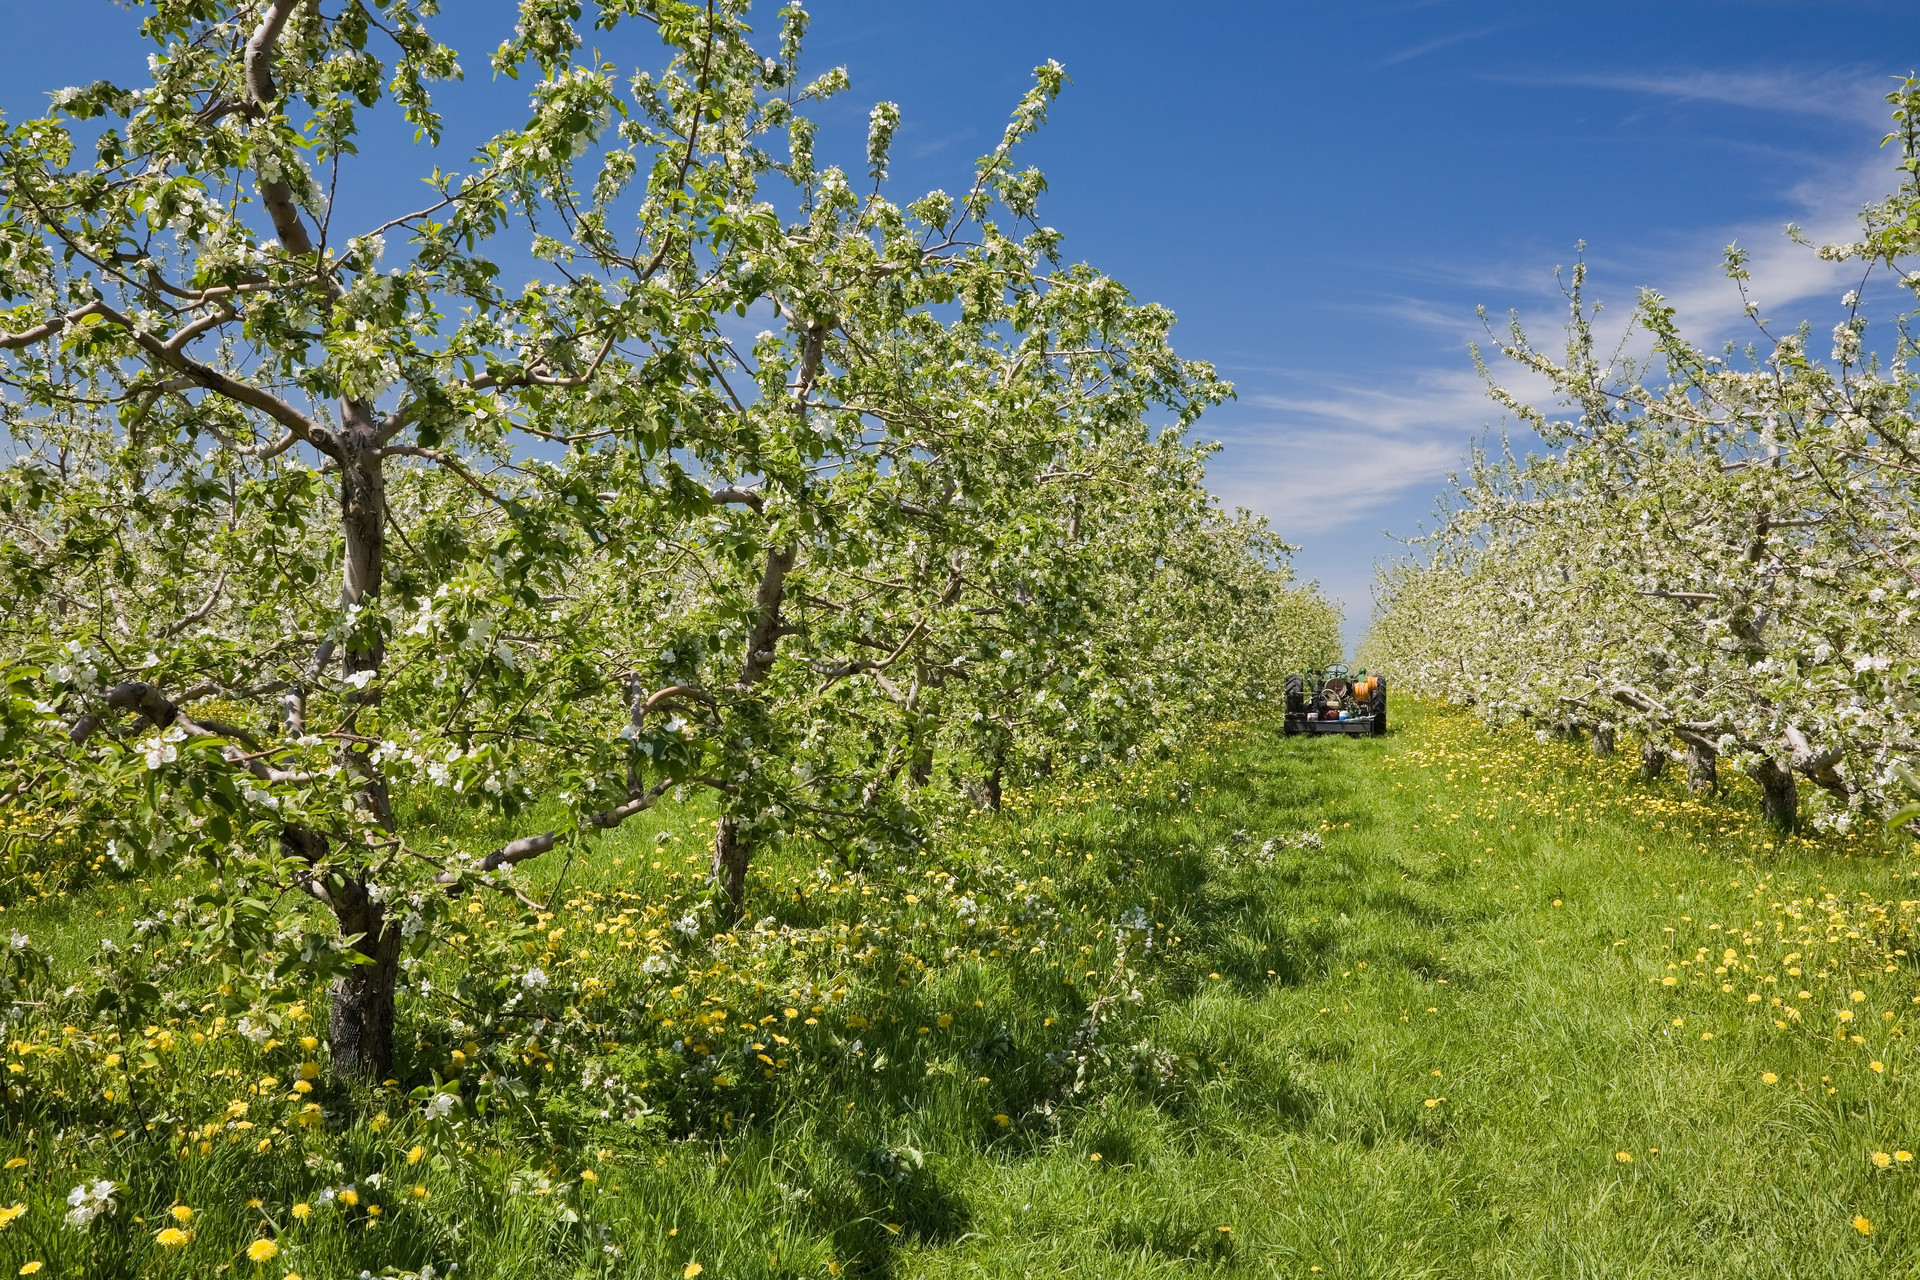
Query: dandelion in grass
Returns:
{"type": "Point", "coordinates": [262, 1250]}
{"type": "Point", "coordinates": [9, 1214]}
{"type": "Point", "coordinates": [1862, 1225]}
{"type": "Point", "coordinates": [32, 1268]}
{"type": "Point", "coordinates": [1624, 1157]}
{"type": "Point", "coordinates": [1881, 1160]}
{"type": "Point", "coordinates": [302, 1211]}
{"type": "Point", "coordinates": [1767, 1077]}
{"type": "Point", "coordinates": [18, 1162]}
{"type": "Point", "coordinates": [172, 1237]}
{"type": "Point", "coordinates": [692, 1269]}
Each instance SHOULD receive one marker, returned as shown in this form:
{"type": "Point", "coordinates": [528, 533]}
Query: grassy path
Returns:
{"type": "Point", "coordinates": [1442, 1004]}
{"type": "Point", "coordinates": [1469, 1059]}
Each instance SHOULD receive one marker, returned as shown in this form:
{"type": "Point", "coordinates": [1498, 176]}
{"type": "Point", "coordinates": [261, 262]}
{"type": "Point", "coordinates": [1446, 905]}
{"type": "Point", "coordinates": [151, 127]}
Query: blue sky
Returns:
{"type": "Point", "coordinates": [1324, 192]}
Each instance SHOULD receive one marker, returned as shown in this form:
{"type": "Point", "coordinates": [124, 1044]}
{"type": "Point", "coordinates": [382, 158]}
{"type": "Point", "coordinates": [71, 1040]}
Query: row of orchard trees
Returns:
{"type": "Point", "coordinates": [749, 487]}
{"type": "Point", "coordinates": [1718, 556]}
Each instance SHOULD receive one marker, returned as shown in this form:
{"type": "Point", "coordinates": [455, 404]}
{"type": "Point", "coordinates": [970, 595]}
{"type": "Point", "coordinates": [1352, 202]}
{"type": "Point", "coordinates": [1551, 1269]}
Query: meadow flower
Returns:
{"type": "Point", "coordinates": [1881, 1159]}
{"type": "Point", "coordinates": [1767, 1077]}
{"type": "Point", "coordinates": [88, 1203]}
{"type": "Point", "coordinates": [262, 1250]}
{"type": "Point", "coordinates": [692, 1269]}
{"type": "Point", "coordinates": [9, 1214]}
{"type": "Point", "coordinates": [1624, 1157]}
{"type": "Point", "coordinates": [303, 1211]}
{"type": "Point", "coordinates": [172, 1237]}
{"type": "Point", "coordinates": [1862, 1225]}
{"type": "Point", "coordinates": [414, 1156]}
{"type": "Point", "coordinates": [1876, 1067]}
{"type": "Point", "coordinates": [32, 1268]}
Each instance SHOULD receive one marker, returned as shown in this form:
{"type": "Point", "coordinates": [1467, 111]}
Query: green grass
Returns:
{"type": "Point", "coordinates": [1487, 928]}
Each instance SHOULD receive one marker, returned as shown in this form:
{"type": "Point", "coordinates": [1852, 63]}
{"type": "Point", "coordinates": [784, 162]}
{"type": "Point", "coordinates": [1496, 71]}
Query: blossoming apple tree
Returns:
{"type": "Point", "coordinates": [749, 486]}
{"type": "Point", "coordinates": [1717, 554]}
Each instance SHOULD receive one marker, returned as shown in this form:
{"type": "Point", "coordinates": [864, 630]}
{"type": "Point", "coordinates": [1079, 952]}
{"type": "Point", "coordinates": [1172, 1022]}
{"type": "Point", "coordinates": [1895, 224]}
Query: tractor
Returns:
{"type": "Point", "coordinates": [1336, 701]}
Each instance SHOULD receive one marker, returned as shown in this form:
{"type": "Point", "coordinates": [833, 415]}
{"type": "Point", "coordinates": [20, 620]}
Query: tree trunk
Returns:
{"type": "Point", "coordinates": [1779, 794]}
{"type": "Point", "coordinates": [1603, 740]}
{"type": "Point", "coordinates": [1703, 768]}
{"type": "Point", "coordinates": [730, 865]}
{"type": "Point", "coordinates": [363, 522]}
{"type": "Point", "coordinates": [360, 1021]}
{"type": "Point", "coordinates": [1653, 760]}
{"type": "Point", "coordinates": [920, 747]}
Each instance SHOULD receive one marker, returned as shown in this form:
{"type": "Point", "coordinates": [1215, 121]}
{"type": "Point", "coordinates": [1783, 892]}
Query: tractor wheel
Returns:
{"type": "Point", "coordinates": [1377, 704]}
{"type": "Point", "coordinates": [1296, 697]}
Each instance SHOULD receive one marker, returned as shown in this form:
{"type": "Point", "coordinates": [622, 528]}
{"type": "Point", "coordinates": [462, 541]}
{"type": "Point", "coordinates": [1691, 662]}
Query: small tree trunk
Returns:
{"type": "Point", "coordinates": [1603, 740]}
{"type": "Point", "coordinates": [730, 856]}
{"type": "Point", "coordinates": [1703, 768]}
{"type": "Point", "coordinates": [1653, 760]}
{"type": "Point", "coordinates": [360, 1021]}
{"type": "Point", "coordinates": [1779, 794]}
{"type": "Point", "coordinates": [363, 523]}
{"type": "Point", "coordinates": [920, 766]}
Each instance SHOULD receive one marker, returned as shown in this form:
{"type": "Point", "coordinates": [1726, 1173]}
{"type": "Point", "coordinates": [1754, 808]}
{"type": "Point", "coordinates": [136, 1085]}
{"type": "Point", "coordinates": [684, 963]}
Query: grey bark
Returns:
{"type": "Point", "coordinates": [1779, 794]}
{"type": "Point", "coordinates": [1653, 760]}
{"type": "Point", "coordinates": [1703, 768]}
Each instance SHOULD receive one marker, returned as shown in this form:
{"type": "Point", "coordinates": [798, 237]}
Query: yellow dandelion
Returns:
{"type": "Point", "coordinates": [1767, 1077]}
{"type": "Point", "coordinates": [692, 1269]}
{"type": "Point", "coordinates": [172, 1237]}
{"type": "Point", "coordinates": [18, 1162]}
{"type": "Point", "coordinates": [1881, 1159]}
{"type": "Point", "coordinates": [1003, 1120]}
{"type": "Point", "coordinates": [1624, 1157]}
{"type": "Point", "coordinates": [1862, 1225]}
{"type": "Point", "coordinates": [1095, 1157]}
{"type": "Point", "coordinates": [302, 1211]}
{"type": "Point", "coordinates": [416, 1155]}
{"type": "Point", "coordinates": [1876, 1067]}
{"type": "Point", "coordinates": [349, 1197]}
{"type": "Point", "coordinates": [262, 1250]}
{"type": "Point", "coordinates": [32, 1268]}
{"type": "Point", "coordinates": [9, 1214]}
{"type": "Point", "coordinates": [1858, 996]}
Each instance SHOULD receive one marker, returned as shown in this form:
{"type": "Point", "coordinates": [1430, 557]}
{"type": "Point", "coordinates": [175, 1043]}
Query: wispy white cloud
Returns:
{"type": "Point", "coordinates": [1421, 50]}
{"type": "Point", "coordinates": [1840, 95]}
{"type": "Point", "coordinates": [1332, 454]}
